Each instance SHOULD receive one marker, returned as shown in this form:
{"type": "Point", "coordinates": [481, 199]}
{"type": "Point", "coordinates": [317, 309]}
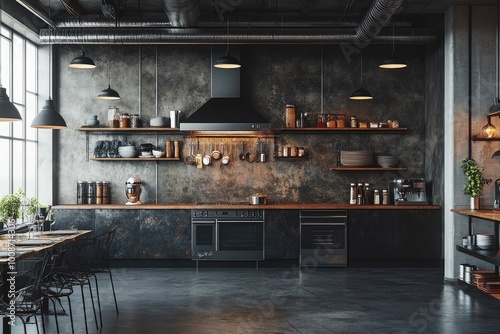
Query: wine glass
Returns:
{"type": "Point", "coordinates": [50, 227]}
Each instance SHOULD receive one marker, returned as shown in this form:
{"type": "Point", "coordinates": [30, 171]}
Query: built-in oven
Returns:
{"type": "Point", "coordinates": [323, 238]}
{"type": "Point", "coordinates": [227, 234]}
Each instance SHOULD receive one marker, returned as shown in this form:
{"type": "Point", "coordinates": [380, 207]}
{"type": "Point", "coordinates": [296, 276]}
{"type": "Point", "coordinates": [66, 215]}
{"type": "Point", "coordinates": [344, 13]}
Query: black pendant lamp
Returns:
{"type": "Point", "coordinates": [8, 111]}
{"type": "Point", "coordinates": [48, 117]}
{"type": "Point", "coordinates": [108, 93]}
{"type": "Point", "coordinates": [393, 61]}
{"type": "Point", "coordinates": [227, 61]}
{"type": "Point", "coordinates": [361, 93]}
{"type": "Point", "coordinates": [82, 62]}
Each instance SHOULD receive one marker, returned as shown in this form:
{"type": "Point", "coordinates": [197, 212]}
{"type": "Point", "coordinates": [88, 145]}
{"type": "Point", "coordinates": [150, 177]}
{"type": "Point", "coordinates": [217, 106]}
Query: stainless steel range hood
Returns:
{"type": "Point", "coordinates": [225, 111]}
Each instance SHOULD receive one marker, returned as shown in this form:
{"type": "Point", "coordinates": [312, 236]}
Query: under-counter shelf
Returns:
{"type": "Point", "coordinates": [135, 159]}
{"type": "Point", "coordinates": [488, 255]}
{"type": "Point", "coordinates": [333, 130]}
{"type": "Point", "coordinates": [368, 169]}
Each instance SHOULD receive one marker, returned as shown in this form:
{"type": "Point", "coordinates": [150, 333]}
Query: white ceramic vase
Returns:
{"type": "Point", "coordinates": [474, 203]}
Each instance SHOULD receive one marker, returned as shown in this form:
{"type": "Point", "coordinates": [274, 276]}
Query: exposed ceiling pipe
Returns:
{"type": "Point", "coordinates": [239, 36]}
{"type": "Point", "coordinates": [377, 16]}
{"type": "Point", "coordinates": [95, 21]}
{"type": "Point", "coordinates": [182, 13]}
{"type": "Point", "coordinates": [35, 10]}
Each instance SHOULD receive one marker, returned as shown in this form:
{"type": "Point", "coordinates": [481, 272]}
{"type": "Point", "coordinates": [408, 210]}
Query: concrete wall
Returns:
{"type": "Point", "coordinates": [154, 79]}
{"type": "Point", "coordinates": [470, 86]}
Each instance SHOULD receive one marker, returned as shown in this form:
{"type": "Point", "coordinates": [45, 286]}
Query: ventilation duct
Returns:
{"type": "Point", "coordinates": [377, 16]}
{"type": "Point", "coordinates": [182, 13]}
{"type": "Point", "coordinates": [241, 36]}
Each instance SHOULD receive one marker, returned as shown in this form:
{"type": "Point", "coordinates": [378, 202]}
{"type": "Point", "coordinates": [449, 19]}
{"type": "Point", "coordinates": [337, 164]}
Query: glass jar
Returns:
{"type": "Point", "coordinates": [331, 121]}
{"type": "Point", "coordinates": [124, 120]}
{"type": "Point", "coordinates": [113, 117]}
{"type": "Point", "coordinates": [340, 121]}
{"type": "Point", "coordinates": [321, 121]}
{"type": "Point", "coordinates": [354, 122]}
{"type": "Point", "coordinates": [135, 121]}
{"type": "Point", "coordinates": [290, 116]}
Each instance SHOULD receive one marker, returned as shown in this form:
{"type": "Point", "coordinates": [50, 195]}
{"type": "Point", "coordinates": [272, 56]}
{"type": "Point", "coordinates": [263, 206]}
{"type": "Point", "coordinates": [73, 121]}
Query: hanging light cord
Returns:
{"type": "Point", "coordinates": [227, 36]}
{"type": "Point", "coordinates": [109, 75]}
{"type": "Point", "coordinates": [50, 61]}
{"type": "Point", "coordinates": [361, 68]}
{"type": "Point", "coordinates": [392, 33]}
{"type": "Point", "coordinates": [497, 46]}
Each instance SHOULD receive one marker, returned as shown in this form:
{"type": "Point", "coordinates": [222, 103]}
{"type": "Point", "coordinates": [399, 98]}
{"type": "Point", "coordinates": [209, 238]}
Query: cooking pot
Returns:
{"type": "Point", "coordinates": [258, 198]}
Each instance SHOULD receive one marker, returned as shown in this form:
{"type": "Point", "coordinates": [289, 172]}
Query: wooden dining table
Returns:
{"type": "Point", "coordinates": [15, 247]}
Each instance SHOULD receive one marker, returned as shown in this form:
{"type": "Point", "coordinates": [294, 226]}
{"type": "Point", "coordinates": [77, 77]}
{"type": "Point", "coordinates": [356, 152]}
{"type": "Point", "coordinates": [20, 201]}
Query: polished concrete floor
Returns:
{"type": "Point", "coordinates": [287, 301]}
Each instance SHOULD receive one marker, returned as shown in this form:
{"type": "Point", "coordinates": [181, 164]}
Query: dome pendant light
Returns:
{"type": "Point", "coordinates": [82, 62]}
{"type": "Point", "coordinates": [8, 111]}
{"type": "Point", "coordinates": [48, 117]}
{"type": "Point", "coordinates": [393, 61]}
{"type": "Point", "coordinates": [361, 93]}
{"type": "Point", "coordinates": [108, 93]}
{"type": "Point", "coordinates": [227, 61]}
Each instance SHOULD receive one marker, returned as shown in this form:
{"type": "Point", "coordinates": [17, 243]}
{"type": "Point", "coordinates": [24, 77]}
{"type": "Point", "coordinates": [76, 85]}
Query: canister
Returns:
{"type": "Point", "coordinates": [90, 192]}
{"type": "Point", "coordinates": [353, 193]}
{"type": "Point", "coordinates": [294, 151]}
{"type": "Point", "coordinates": [290, 116]}
{"type": "Point", "coordinates": [301, 152]}
{"type": "Point", "coordinates": [105, 192]}
{"type": "Point", "coordinates": [81, 192]}
{"type": "Point", "coordinates": [98, 193]}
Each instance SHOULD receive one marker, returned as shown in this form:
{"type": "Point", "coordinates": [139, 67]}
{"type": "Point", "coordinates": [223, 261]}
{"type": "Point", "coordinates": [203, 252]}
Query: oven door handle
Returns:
{"type": "Point", "coordinates": [322, 224]}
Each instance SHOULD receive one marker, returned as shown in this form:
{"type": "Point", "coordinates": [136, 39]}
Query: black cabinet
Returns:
{"type": "Point", "coordinates": [417, 234]}
{"type": "Point", "coordinates": [395, 236]}
{"type": "Point", "coordinates": [370, 234]}
{"type": "Point", "coordinates": [282, 234]}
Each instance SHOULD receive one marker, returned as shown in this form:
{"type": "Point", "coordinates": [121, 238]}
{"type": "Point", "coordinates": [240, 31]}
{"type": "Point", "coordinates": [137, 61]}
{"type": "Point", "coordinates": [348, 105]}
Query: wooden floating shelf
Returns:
{"type": "Point", "coordinates": [368, 169]}
{"type": "Point", "coordinates": [476, 138]}
{"type": "Point", "coordinates": [135, 159]}
{"type": "Point", "coordinates": [103, 129]}
{"type": "Point", "coordinates": [290, 158]}
{"type": "Point", "coordinates": [340, 129]}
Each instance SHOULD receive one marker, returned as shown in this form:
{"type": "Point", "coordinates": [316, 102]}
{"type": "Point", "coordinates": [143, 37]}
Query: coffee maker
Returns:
{"type": "Point", "coordinates": [416, 191]}
{"type": "Point", "coordinates": [496, 204]}
{"type": "Point", "coordinates": [133, 191]}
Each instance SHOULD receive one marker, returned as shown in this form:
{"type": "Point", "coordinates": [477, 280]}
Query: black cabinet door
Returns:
{"type": "Point", "coordinates": [370, 234]}
{"type": "Point", "coordinates": [282, 234]}
{"type": "Point", "coordinates": [417, 234]}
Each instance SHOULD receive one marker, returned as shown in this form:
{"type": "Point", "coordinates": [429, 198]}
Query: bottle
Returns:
{"type": "Point", "coordinates": [354, 194]}
{"type": "Point", "coordinates": [359, 200]}
{"type": "Point", "coordinates": [321, 121]}
{"type": "Point", "coordinates": [360, 189]}
{"type": "Point", "coordinates": [116, 117]}
{"type": "Point", "coordinates": [367, 194]}
{"type": "Point", "coordinates": [376, 196]}
{"type": "Point", "coordinates": [176, 149]}
{"type": "Point", "coordinates": [290, 116]}
{"type": "Point", "coordinates": [168, 148]}
{"type": "Point", "coordinates": [385, 197]}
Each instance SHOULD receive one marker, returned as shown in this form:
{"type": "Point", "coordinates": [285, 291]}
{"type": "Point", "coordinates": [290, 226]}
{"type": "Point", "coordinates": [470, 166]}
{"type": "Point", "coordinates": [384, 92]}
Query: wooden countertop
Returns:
{"type": "Point", "coordinates": [288, 206]}
{"type": "Point", "coordinates": [484, 214]}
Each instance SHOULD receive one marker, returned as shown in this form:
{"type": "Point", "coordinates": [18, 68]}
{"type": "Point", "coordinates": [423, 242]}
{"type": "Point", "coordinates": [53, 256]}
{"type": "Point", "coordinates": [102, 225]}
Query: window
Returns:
{"type": "Point", "coordinates": [18, 141]}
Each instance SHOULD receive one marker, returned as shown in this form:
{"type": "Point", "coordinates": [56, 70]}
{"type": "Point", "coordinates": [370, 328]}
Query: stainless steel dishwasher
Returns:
{"type": "Point", "coordinates": [323, 238]}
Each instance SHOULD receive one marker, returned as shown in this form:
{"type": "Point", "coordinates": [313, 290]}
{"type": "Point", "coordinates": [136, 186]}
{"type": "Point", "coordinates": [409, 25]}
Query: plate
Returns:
{"type": "Point", "coordinates": [62, 232]}
{"type": "Point", "coordinates": [34, 242]}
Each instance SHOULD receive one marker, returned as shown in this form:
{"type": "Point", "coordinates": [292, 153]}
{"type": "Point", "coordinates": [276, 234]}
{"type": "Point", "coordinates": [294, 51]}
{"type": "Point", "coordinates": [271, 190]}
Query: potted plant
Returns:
{"type": "Point", "coordinates": [475, 181]}
{"type": "Point", "coordinates": [10, 206]}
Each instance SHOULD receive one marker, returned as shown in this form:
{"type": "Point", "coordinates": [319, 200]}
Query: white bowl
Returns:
{"type": "Point", "coordinates": [130, 154]}
{"type": "Point", "coordinates": [158, 154]}
{"type": "Point", "coordinates": [159, 121]}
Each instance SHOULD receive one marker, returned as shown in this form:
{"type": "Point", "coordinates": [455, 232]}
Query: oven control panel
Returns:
{"type": "Point", "coordinates": [229, 214]}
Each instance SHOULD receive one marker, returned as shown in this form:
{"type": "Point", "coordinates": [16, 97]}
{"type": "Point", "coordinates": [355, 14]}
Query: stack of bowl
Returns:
{"type": "Point", "coordinates": [159, 121]}
{"type": "Point", "coordinates": [387, 161]}
{"type": "Point", "coordinates": [128, 151]}
{"type": "Point", "coordinates": [356, 158]}
{"type": "Point", "coordinates": [484, 241]}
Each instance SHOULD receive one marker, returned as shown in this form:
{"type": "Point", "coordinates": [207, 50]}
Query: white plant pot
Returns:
{"type": "Point", "coordinates": [474, 203]}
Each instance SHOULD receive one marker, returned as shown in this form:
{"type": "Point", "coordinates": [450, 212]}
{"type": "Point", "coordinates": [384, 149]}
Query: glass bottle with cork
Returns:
{"type": "Point", "coordinates": [290, 116]}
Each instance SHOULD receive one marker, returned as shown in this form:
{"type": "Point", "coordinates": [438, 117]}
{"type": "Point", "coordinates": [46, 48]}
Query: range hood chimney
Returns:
{"type": "Point", "coordinates": [225, 111]}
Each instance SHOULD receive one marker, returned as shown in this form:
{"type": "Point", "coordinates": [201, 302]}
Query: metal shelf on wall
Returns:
{"type": "Point", "coordinates": [135, 159]}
